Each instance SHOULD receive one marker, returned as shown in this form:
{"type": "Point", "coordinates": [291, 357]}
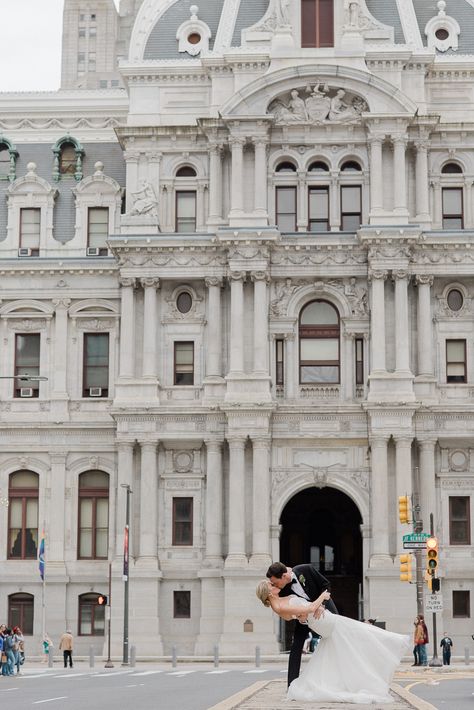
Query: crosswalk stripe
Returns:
{"type": "Point", "coordinates": [102, 675]}
{"type": "Point", "coordinates": [258, 670]}
{"type": "Point", "coordinates": [69, 675]}
{"type": "Point", "coordinates": [148, 672]}
{"type": "Point", "coordinates": [215, 672]}
{"type": "Point", "coordinates": [181, 673]}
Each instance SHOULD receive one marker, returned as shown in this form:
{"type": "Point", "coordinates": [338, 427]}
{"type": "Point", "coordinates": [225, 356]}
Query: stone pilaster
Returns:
{"type": "Point", "coordinates": [214, 504]}
{"type": "Point", "coordinates": [237, 279]}
{"type": "Point", "coordinates": [399, 176]}
{"type": "Point", "coordinates": [422, 186]}
{"type": "Point", "coordinates": [150, 325]}
{"type": "Point", "coordinates": [261, 493]}
{"type": "Point", "coordinates": [379, 501]}
{"type": "Point", "coordinates": [236, 556]}
{"type": "Point", "coordinates": [148, 547]}
{"type": "Point", "coordinates": [403, 475]}
{"type": "Point", "coordinates": [127, 328]}
{"type": "Point", "coordinates": [376, 177]}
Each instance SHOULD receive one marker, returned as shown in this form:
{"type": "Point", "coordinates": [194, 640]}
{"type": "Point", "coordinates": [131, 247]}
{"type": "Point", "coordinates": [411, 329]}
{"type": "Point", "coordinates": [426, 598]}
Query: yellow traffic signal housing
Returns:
{"type": "Point", "coordinates": [403, 509]}
{"type": "Point", "coordinates": [405, 568]}
{"type": "Point", "coordinates": [432, 555]}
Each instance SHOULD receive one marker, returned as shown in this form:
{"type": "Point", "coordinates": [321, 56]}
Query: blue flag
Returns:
{"type": "Point", "coordinates": [41, 562]}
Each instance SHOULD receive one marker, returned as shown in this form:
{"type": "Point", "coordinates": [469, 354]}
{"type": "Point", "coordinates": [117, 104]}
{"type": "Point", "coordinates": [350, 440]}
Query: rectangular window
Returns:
{"type": "Point", "coordinates": [319, 360]}
{"type": "Point", "coordinates": [186, 211]}
{"type": "Point", "coordinates": [27, 362]}
{"type": "Point", "coordinates": [82, 31]}
{"type": "Point", "coordinates": [182, 521]}
{"type": "Point", "coordinates": [181, 605]}
{"type": "Point", "coordinates": [351, 208]}
{"type": "Point", "coordinates": [286, 209]}
{"type": "Point", "coordinates": [98, 229]}
{"type": "Point", "coordinates": [359, 361]}
{"type": "Point", "coordinates": [184, 363]}
{"type": "Point", "coordinates": [318, 209]}
{"type": "Point", "coordinates": [317, 23]}
{"type": "Point", "coordinates": [461, 605]}
{"type": "Point", "coordinates": [96, 365]}
{"type": "Point", "coordinates": [456, 361]}
{"type": "Point", "coordinates": [30, 229]}
{"type": "Point", "coordinates": [91, 616]}
{"type": "Point", "coordinates": [280, 361]}
{"type": "Point", "coordinates": [452, 208]}
{"type": "Point", "coordinates": [459, 520]}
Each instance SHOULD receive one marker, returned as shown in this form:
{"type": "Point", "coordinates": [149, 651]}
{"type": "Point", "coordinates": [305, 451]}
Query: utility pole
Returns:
{"type": "Point", "coordinates": [418, 528]}
{"type": "Point", "coordinates": [126, 547]}
{"type": "Point", "coordinates": [435, 660]}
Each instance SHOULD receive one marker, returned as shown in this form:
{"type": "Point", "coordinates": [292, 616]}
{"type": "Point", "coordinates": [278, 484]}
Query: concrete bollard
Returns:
{"type": "Point", "coordinates": [466, 655]}
{"type": "Point", "coordinates": [50, 657]}
{"type": "Point", "coordinates": [174, 658]}
{"type": "Point", "coordinates": [91, 657]}
{"type": "Point", "coordinates": [216, 656]}
{"type": "Point", "coordinates": [257, 656]}
{"type": "Point", "coordinates": [133, 656]}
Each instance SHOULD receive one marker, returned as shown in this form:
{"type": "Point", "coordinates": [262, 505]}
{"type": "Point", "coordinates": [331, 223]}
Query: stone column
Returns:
{"type": "Point", "coordinates": [376, 175]}
{"type": "Point", "coordinates": [437, 207]}
{"type": "Point", "coordinates": [399, 175]}
{"type": "Point", "coordinates": [127, 327]}
{"type": "Point", "coordinates": [291, 366]}
{"type": "Point", "coordinates": [56, 523]}
{"type": "Point", "coordinates": [379, 498]}
{"type": "Point", "coordinates": [148, 543]}
{"type": "Point", "coordinates": [422, 185]}
{"type": "Point", "coordinates": [402, 363]}
{"type": "Point", "coordinates": [403, 474]}
{"type": "Point", "coordinates": [124, 476]}
{"type": "Point", "coordinates": [260, 188]}
{"type": "Point", "coordinates": [60, 343]}
{"type": "Point", "coordinates": [237, 279]}
{"type": "Point", "coordinates": [261, 491]}
{"type": "Point", "coordinates": [150, 326]}
{"type": "Point", "coordinates": [131, 161]}
{"type": "Point", "coordinates": [236, 556]}
{"type": "Point", "coordinates": [377, 279]}
{"type": "Point", "coordinates": [424, 325]}
{"type": "Point", "coordinates": [237, 177]}
{"type": "Point", "coordinates": [200, 220]}
{"type": "Point", "coordinates": [154, 161]}
{"type": "Point", "coordinates": [214, 504]}
{"type": "Point", "coordinates": [334, 207]}
{"type": "Point", "coordinates": [427, 481]}
{"type": "Point", "coordinates": [215, 183]}
{"type": "Point", "coordinates": [214, 327]}
{"type": "Point", "coordinates": [260, 322]}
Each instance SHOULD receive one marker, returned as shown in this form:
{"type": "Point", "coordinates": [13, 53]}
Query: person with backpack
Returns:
{"type": "Point", "coordinates": [446, 644]}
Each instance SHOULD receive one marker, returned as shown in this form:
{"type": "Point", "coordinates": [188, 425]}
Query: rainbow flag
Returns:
{"type": "Point", "coordinates": [41, 561]}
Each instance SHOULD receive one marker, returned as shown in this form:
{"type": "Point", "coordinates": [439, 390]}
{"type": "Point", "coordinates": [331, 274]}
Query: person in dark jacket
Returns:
{"type": "Point", "coordinates": [446, 644]}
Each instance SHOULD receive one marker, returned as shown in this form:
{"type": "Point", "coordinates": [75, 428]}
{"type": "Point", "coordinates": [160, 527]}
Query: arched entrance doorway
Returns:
{"type": "Point", "coordinates": [322, 526]}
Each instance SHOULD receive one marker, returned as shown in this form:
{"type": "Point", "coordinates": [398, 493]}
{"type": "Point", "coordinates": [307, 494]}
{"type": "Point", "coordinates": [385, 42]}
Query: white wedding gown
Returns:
{"type": "Point", "coordinates": [353, 662]}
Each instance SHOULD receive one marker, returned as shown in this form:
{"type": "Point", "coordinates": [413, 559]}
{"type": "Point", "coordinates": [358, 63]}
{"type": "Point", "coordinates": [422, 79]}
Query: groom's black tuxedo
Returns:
{"type": "Point", "coordinates": [313, 584]}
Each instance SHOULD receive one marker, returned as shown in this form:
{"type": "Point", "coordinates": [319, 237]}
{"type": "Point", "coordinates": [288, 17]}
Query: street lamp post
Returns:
{"type": "Point", "coordinates": [126, 542]}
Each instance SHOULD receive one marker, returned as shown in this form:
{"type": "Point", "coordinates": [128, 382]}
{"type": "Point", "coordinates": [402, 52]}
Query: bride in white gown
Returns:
{"type": "Point", "coordinates": [354, 662]}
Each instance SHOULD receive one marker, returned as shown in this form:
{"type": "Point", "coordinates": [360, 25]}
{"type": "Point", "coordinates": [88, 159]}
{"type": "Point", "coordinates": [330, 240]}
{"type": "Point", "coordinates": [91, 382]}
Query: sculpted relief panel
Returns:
{"type": "Point", "coordinates": [318, 104]}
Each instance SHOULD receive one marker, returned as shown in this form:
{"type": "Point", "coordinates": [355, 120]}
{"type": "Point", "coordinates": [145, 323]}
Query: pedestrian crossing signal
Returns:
{"type": "Point", "coordinates": [101, 600]}
{"type": "Point", "coordinates": [405, 568]}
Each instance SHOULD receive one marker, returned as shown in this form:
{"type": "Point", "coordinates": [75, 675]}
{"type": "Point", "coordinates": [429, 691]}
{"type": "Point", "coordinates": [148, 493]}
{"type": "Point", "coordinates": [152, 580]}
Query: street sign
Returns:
{"type": "Point", "coordinates": [434, 602]}
{"type": "Point", "coordinates": [415, 541]}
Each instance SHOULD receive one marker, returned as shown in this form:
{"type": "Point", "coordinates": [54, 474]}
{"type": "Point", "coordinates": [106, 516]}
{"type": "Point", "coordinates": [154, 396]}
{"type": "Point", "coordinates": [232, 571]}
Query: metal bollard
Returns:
{"type": "Point", "coordinates": [133, 656]}
{"type": "Point", "coordinates": [216, 656]}
{"type": "Point", "coordinates": [257, 656]}
{"type": "Point", "coordinates": [466, 655]}
{"type": "Point", "coordinates": [174, 658]}
{"type": "Point", "coordinates": [91, 657]}
{"type": "Point", "coordinates": [50, 658]}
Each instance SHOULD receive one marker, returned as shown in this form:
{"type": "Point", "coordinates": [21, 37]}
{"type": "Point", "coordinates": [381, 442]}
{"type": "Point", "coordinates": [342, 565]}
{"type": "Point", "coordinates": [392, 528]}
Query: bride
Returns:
{"type": "Point", "coordinates": [353, 663]}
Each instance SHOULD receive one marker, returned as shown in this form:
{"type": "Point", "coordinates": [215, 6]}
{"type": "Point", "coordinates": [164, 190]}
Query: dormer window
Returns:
{"type": "Point", "coordinates": [193, 35]}
{"type": "Point", "coordinates": [68, 156]}
{"type": "Point", "coordinates": [67, 159]}
{"type": "Point", "coordinates": [442, 31]}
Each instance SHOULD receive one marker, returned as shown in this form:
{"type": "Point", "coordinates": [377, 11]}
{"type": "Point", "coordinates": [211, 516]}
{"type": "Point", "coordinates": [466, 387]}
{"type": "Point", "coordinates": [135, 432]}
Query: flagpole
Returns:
{"type": "Point", "coordinates": [42, 571]}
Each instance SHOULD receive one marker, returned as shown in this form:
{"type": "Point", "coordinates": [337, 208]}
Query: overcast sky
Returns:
{"type": "Point", "coordinates": [30, 49]}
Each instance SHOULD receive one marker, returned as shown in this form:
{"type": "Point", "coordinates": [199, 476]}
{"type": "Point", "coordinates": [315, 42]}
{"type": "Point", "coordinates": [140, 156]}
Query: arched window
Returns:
{"type": "Point", "coordinates": [23, 515]}
{"type": "Point", "coordinates": [93, 515]}
{"type": "Point", "coordinates": [20, 612]}
{"type": "Point", "coordinates": [319, 332]}
{"type": "Point", "coordinates": [318, 167]}
{"type": "Point", "coordinates": [4, 161]}
{"type": "Point", "coordinates": [350, 166]}
{"type": "Point", "coordinates": [317, 23]}
{"type": "Point", "coordinates": [186, 171]}
{"type": "Point", "coordinates": [67, 159]}
{"type": "Point", "coordinates": [186, 200]}
{"type": "Point", "coordinates": [285, 167]}
{"type": "Point", "coordinates": [451, 168]}
{"type": "Point", "coordinates": [91, 615]}
{"type": "Point", "coordinates": [68, 156]}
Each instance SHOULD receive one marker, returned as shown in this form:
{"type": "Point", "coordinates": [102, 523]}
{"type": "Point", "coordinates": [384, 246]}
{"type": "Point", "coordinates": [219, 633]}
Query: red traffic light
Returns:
{"type": "Point", "coordinates": [101, 600]}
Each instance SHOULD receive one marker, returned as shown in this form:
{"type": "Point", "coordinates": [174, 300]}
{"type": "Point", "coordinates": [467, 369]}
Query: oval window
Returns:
{"type": "Point", "coordinates": [184, 302]}
{"type": "Point", "coordinates": [194, 38]}
{"type": "Point", "coordinates": [455, 300]}
{"type": "Point", "coordinates": [441, 34]}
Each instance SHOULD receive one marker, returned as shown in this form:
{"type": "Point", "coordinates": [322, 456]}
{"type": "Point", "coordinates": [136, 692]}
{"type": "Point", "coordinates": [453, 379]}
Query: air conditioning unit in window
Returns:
{"type": "Point", "coordinates": [26, 391]}
{"type": "Point", "coordinates": [95, 391]}
{"type": "Point", "coordinates": [93, 251]}
{"type": "Point", "coordinates": [23, 251]}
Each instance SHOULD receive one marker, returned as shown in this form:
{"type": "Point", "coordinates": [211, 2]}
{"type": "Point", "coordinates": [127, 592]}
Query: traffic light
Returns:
{"type": "Point", "coordinates": [405, 568]}
{"type": "Point", "coordinates": [432, 555]}
{"type": "Point", "coordinates": [403, 509]}
{"type": "Point", "coordinates": [101, 600]}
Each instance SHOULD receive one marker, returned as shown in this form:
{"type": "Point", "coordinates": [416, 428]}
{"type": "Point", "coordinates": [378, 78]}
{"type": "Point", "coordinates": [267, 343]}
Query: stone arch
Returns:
{"type": "Point", "coordinates": [179, 161]}
{"type": "Point", "coordinates": [319, 290]}
{"type": "Point", "coordinates": [462, 159]}
{"type": "Point", "coordinates": [321, 156]}
{"type": "Point", "coordinates": [280, 156]}
{"type": "Point", "coordinates": [26, 306]}
{"type": "Point", "coordinates": [95, 307]}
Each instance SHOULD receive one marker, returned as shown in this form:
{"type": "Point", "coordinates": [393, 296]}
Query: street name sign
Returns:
{"type": "Point", "coordinates": [415, 541]}
{"type": "Point", "coordinates": [434, 602]}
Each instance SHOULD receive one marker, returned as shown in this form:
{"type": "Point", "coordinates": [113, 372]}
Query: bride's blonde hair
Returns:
{"type": "Point", "coordinates": [263, 592]}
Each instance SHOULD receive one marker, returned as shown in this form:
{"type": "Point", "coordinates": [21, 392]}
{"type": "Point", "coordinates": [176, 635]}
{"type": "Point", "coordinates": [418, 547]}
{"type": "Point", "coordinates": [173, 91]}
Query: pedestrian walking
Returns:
{"type": "Point", "coordinates": [47, 647]}
{"type": "Point", "coordinates": [66, 644]}
{"type": "Point", "coordinates": [422, 640]}
{"type": "Point", "coordinates": [446, 644]}
{"type": "Point", "coordinates": [416, 654]}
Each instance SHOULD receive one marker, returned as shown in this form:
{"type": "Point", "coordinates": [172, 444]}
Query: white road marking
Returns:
{"type": "Point", "coordinates": [102, 675]}
{"type": "Point", "coordinates": [131, 686]}
{"type": "Point", "coordinates": [7, 690]}
{"type": "Point", "coordinates": [215, 672]}
{"type": "Point", "coordinates": [180, 673]}
{"type": "Point", "coordinates": [68, 675]}
{"type": "Point", "coordinates": [148, 672]}
{"type": "Point", "coordinates": [49, 700]}
{"type": "Point", "coordinates": [257, 670]}
{"type": "Point", "coordinates": [40, 675]}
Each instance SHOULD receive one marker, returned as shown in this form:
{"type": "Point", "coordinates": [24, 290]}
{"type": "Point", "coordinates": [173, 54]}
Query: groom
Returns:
{"type": "Point", "coordinates": [305, 581]}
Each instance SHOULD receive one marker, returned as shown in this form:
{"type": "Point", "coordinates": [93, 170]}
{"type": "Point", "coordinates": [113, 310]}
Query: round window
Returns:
{"type": "Point", "coordinates": [455, 300]}
{"type": "Point", "coordinates": [184, 302]}
{"type": "Point", "coordinates": [194, 38]}
{"type": "Point", "coordinates": [441, 34]}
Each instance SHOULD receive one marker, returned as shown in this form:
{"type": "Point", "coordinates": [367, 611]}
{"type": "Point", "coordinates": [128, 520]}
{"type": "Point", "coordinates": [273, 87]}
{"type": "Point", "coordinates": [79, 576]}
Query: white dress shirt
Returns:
{"type": "Point", "coordinates": [297, 588]}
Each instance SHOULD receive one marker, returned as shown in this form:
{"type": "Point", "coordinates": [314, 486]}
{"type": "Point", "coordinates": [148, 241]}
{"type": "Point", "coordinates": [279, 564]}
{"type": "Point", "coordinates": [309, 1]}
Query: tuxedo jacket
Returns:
{"type": "Point", "coordinates": [313, 583]}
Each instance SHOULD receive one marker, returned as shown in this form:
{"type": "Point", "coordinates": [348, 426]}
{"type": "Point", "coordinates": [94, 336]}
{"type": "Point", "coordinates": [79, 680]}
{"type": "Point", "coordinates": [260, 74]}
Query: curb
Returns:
{"type": "Point", "coordinates": [235, 700]}
{"type": "Point", "coordinates": [414, 701]}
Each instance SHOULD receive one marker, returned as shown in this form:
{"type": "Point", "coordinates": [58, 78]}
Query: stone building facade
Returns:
{"type": "Point", "coordinates": [248, 280]}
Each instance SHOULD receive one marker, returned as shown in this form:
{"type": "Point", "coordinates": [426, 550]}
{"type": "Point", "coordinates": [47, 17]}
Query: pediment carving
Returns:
{"type": "Point", "coordinates": [318, 103]}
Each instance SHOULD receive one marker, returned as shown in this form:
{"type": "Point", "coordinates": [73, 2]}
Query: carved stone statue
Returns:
{"type": "Point", "coordinates": [321, 105]}
{"type": "Point", "coordinates": [318, 103]}
{"type": "Point", "coordinates": [357, 297]}
{"type": "Point", "coordinates": [282, 10]}
{"type": "Point", "coordinates": [145, 201]}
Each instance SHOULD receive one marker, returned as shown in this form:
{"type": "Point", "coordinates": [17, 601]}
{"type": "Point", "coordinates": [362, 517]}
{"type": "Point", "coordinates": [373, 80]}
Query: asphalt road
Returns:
{"type": "Point", "coordinates": [450, 693]}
